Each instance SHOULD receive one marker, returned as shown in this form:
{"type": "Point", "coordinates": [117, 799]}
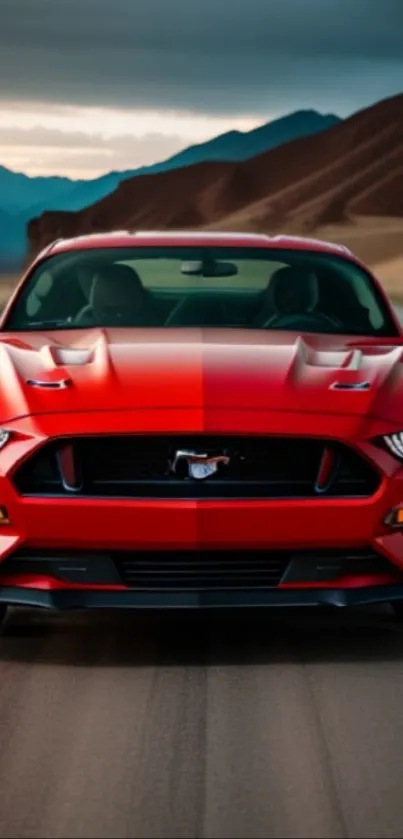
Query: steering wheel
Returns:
{"type": "Point", "coordinates": [305, 320]}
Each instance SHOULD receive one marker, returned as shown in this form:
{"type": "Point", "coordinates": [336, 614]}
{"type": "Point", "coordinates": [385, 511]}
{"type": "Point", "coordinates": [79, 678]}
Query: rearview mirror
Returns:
{"type": "Point", "coordinates": [209, 268]}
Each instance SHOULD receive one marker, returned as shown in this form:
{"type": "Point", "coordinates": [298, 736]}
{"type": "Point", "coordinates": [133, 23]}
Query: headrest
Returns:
{"type": "Point", "coordinates": [304, 283]}
{"type": "Point", "coordinates": [114, 284]}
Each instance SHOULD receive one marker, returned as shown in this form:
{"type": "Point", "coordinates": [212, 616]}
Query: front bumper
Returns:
{"type": "Point", "coordinates": [74, 599]}
{"type": "Point", "coordinates": [197, 579]}
{"type": "Point", "coordinates": [49, 526]}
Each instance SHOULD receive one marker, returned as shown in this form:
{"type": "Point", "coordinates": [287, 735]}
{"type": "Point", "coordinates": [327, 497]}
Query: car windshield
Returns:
{"type": "Point", "coordinates": [248, 288]}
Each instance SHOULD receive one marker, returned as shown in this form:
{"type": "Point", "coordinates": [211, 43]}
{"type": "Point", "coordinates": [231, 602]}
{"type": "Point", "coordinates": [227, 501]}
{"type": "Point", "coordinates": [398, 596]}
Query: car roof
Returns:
{"type": "Point", "coordinates": [163, 238]}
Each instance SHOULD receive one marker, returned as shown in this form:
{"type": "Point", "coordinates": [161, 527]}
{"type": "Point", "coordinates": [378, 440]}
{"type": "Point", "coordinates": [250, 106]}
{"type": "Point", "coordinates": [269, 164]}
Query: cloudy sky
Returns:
{"type": "Point", "coordinates": [87, 86]}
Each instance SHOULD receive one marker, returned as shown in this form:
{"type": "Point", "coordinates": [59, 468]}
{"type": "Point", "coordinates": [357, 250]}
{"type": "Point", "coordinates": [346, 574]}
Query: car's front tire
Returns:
{"type": "Point", "coordinates": [3, 613]}
{"type": "Point", "coordinates": [397, 606]}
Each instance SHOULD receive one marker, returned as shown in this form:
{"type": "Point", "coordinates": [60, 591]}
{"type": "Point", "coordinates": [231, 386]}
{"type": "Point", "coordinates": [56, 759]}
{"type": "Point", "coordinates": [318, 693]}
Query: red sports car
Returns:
{"type": "Point", "coordinates": [199, 420]}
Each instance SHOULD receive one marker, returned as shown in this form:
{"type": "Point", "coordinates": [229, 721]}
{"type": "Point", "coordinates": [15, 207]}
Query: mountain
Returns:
{"type": "Point", "coordinates": [353, 168]}
{"type": "Point", "coordinates": [232, 146]}
{"type": "Point", "coordinates": [23, 197]}
{"type": "Point", "coordinates": [12, 241]}
{"type": "Point", "coordinates": [238, 145]}
{"type": "Point", "coordinates": [20, 193]}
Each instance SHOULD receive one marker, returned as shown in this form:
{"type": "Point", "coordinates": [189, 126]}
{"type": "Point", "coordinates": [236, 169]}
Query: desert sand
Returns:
{"type": "Point", "coordinates": [7, 285]}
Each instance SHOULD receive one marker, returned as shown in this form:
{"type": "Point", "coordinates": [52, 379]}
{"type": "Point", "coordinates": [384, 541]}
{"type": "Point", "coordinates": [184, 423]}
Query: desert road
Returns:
{"type": "Point", "coordinates": [201, 725]}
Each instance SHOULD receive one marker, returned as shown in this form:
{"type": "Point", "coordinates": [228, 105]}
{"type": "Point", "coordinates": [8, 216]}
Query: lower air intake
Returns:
{"type": "Point", "coordinates": [198, 570]}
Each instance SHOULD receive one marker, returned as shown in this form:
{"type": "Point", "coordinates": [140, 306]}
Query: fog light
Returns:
{"type": "Point", "coordinates": [394, 443]}
{"type": "Point", "coordinates": [4, 437]}
{"type": "Point", "coordinates": [4, 519]}
{"type": "Point", "coordinates": [395, 518]}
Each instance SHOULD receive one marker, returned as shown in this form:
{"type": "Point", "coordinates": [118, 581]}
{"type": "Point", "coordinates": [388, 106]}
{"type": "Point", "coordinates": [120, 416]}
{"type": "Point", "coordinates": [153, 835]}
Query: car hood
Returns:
{"type": "Point", "coordinates": [103, 370]}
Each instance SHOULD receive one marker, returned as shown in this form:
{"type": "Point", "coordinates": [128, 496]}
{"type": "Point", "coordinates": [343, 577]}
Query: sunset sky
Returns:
{"type": "Point", "coordinates": [87, 86]}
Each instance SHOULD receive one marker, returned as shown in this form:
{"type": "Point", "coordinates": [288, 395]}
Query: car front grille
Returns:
{"type": "Point", "coordinates": [143, 466]}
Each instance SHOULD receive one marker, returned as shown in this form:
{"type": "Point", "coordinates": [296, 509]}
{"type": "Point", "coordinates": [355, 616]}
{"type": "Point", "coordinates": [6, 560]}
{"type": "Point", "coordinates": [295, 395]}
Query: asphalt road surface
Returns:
{"type": "Point", "coordinates": [201, 725]}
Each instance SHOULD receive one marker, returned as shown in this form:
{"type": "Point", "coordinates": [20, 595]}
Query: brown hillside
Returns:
{"type": "Point", "coordinates": [352, 169]}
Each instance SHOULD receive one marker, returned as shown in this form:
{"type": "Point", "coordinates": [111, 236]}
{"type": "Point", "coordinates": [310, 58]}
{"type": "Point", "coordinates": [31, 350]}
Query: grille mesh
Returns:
{"type": "Point", "coordinates": [139, 466]}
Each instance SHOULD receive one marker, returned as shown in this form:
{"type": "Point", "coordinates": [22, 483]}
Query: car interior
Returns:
{"type": "Point", "coordinates": [297, 295]}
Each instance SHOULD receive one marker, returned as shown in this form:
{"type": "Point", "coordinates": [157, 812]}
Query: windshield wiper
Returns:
{"type": "Point", "coordinates": [54, 322]}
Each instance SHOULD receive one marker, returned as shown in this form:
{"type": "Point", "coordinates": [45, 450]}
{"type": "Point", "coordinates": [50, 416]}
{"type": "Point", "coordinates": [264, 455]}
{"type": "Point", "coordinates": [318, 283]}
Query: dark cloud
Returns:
{"type": "Point", "coordinates": [366, 27]}
{"type": "Point", "coordinates": [225, 56]}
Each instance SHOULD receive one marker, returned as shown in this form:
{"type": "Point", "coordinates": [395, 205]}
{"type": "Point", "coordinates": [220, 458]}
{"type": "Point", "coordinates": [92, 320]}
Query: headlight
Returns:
{"type": "Point", "coordinates": [4, 437]}
{"type": "Point", "coordinates": [394, 442]}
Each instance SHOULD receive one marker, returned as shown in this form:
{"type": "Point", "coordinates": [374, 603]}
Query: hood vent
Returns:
{"type": "Point", "coordinates": [67, 356]}
{"type": "Point", "coordinates": [350, 386]}
{"type": "Point", "coordinates": [61, 384]}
